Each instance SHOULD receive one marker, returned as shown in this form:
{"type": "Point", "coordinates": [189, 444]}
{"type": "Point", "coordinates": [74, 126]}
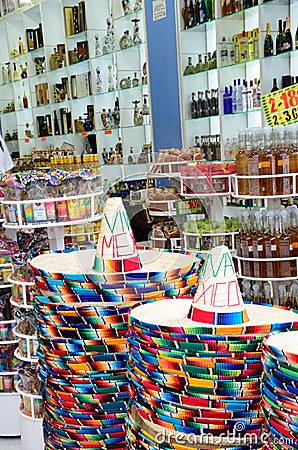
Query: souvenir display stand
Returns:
{"type": "Point", "coordinates": [195, 365]}
{"type": "Point", "coordinates": [55, 229]}
{"type": "Point", "coordinates": [223, 50]}
{"type": "Point", "coordinates": [204, 188]}
{"type": "Point", "coordinates": [273, 274]}
{"type": "Point", "coordinates": [9, 399]}
{"type": "Point", "coordinates": [82, 327]}
{"type": "Point", "coordinates": [86, 84]}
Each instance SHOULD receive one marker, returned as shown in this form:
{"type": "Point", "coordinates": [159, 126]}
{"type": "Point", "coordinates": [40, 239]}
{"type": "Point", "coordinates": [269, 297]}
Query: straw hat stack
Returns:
{"type": "Point", "coordinates": [195, 365]}
{"type": "Point", "coordinates": [82, 322]}
{"type": "Point", "coordinates": [280, 391]}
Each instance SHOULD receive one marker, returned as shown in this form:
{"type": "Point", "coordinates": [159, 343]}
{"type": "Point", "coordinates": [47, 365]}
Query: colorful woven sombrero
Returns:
{"type": "Point", "coordinates": [280, 391]}
{"type": "Point", "coordinates": [200, 377]}
{"type": "Point", "coordinates": [82, 321]}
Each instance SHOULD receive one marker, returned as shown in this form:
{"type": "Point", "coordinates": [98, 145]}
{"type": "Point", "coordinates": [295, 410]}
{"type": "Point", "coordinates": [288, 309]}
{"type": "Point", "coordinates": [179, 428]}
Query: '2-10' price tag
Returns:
{"type": "Point", "coordinates": [281, 107]}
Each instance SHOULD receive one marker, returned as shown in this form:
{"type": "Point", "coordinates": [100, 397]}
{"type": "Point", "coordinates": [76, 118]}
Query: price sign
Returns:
{"type": "Point", "coordinates": [189, 206]}
{"type": "Point", "coordinates": [281, 107]}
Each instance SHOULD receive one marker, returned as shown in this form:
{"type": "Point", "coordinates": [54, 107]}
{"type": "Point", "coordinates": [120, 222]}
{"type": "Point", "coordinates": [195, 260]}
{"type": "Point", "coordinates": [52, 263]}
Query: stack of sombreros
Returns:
{"type": "Point", "coordinates": [82, 321]}
{"type": "Point", "coordinates": [195, 365]}
{"type": "Point", "coordinates": [280, 391]}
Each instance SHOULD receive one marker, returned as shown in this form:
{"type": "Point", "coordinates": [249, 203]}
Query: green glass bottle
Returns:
{"type": "Point", "coordinates": [268, 42]}
{"type": "Point", "coordinates": [279, 39]}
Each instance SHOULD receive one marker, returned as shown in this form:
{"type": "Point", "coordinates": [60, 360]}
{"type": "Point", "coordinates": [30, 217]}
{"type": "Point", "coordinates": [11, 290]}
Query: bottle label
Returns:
{"type": "Point", "coordinates": [39, 212]}
{"type": "Point", "coordinates": [260, 248]}
{"type": "Point", "coordinates": [273, 247]}
{"type": "Point", "coordinates": [264, 164]}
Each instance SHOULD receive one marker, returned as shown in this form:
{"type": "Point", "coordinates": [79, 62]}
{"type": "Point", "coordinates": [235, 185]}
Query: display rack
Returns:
{"type": "Point", "coordinates": [16, 216]}
{"type": "Point", "coordinates": [91, 63]}
{"type": "Point", "coordinates": [221, 70]}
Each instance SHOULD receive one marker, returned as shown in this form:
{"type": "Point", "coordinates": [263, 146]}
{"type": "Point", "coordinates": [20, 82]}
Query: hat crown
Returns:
{"type": "Point", "coordinates": [218, 299]}
{"type": "Point", "coordinates": [116, 247]}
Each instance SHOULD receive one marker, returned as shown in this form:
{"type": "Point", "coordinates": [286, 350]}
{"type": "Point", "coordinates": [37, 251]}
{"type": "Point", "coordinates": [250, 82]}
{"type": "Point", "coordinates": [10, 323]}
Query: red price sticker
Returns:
{"type": "Point", "coordinates": [84, 133]}
{"type": "Point", "coordinates": [43, 139]}
{"type": "Point", "coordinates": [27, 140]}
{"type": "Point", "coordinates": [108, 131]}
{"type": "Point", "coordinates": [281, 107]}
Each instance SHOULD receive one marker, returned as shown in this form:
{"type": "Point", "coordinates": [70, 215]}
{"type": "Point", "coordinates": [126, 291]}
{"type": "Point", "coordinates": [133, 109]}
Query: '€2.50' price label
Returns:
{"type": "Point", "coordinates": [281, 107]}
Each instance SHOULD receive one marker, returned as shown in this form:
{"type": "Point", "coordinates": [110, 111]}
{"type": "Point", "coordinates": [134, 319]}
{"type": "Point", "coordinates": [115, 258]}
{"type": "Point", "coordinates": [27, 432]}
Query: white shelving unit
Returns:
{"type": "Point", "coordinates": [207, 37]}
{"type": "Point", "coordinates": [98, 93]}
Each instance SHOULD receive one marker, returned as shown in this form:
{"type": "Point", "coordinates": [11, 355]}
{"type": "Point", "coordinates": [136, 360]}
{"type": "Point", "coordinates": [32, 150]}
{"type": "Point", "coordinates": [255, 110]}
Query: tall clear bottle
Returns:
{"type": "Point", "coordinates": [253, 149]}
{"type": "Point", "coordinates": [270, 246]}
{"type": "Point", "coordinates": [242, 163]}
{"type": "Point", "coordinates": [284, 185]}
{"type": "Point", "coordinates": [284, 244]}
{"type": "Point", "coordinates": [246, 246]}
{"type": "Point", "coordinates": [258, 246]}
{"type": "Point", "coordinates": [267, 165]}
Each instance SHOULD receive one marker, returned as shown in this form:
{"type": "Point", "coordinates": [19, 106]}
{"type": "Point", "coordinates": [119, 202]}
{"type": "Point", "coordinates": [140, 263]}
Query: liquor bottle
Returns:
{"type": "Point", "coordinates": [203, 12]}
{"type": "Point", "coordinates": [56, 124]}
{"type": "Point", "coordinates": [279, 39]}
{"type": "Point", "coordinates": [199, 104]}
{"type": "Point", "coordinates": [268, 42]}
{"type": "Point", "coordinates": [205, 62]}
{"type": "Point", "coordinates": [270, 245]}
{"type": "Point", "coordinates": [229, 7]}
{"type": "Point", "coordinates": [258, 247]}
{"type": "Point", "coordinates": [189, 69]}
{"type": "Point", "coordinates": [25, 100]}
{"type": "Point", "coordinates": [238, 5]}
{"type": "Point", "coordinates": [224, 53]}
{"type": "Point", "coordinates": [200, 66]}
{"type": "Point", "coordinates": [288, 41]}
{"type": "Point", "coordinates": [267, 165]}
{"type": "Point", "coordinates": [234, 97]}
{"type": "Point", "coordinates": [31, 44]}
{"type": "Point", "coordinates": [274, 85]}
{"type": "Point", "coordinates": [21, 46]}
{"type": "Point", "coordinates": [184, 13]}
{"type": "Point", "coordinates": [245, 96]}
{"type": "Point", "coordinates": [193, 106]}
{"type": "Point", "coordinates": [296, 39]}
{"type": "Point", "coordinates": [15, 75]}
{"type": "Point", "coordinates": [207, 103]}
{"type": "Point", "coordinates": [256, 44]}
{"type": "Point", "coordinates": [284, 185]}
{"type": "Point", "coordinates": [242, 163]}
{"type": "Point", "coordinates": [250, 46]}
{"type": "Point", "coordinates": [190, 14]}
{"type": "Point", "coordinates": [223, 8]}
{"type": "Point", "coordinates": [227, 101]}
{"type": "Point", "coordinates": [197, 12]}
{"type": "Point", "coordinates": [253, 148]}
{"type": "Point", "coordinates": [246, 246]}
{"type": "Point", "coordinates": [239, 96]}
{"type": "Point", "coordinates": [284, 242]}
{"type": "Point", "coordinates": [9, 74]}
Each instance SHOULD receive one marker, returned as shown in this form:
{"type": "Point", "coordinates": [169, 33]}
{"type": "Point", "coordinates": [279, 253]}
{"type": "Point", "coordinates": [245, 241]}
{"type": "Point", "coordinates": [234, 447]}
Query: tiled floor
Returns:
{"type": "Point", "coordinates": [10, 444]}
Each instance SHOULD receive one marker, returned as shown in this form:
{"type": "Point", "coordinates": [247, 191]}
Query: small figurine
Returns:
{"type": "Point", "coordinates": [28, 131]}
{"type": "Point", "coordinates": [125, 83]}
{"type": "Point", "coordinates": [136, 36]}
{"type": "Point", "coordinates": [98, 81]}
{"type": "Point", "coordinates": [126, 7]}
{"type": "Point", "coordinates": [145, 108]}
{"type": "Point", "coordinates": [135, 80]}
{"type": "Point", "coordinates": [144, 77]}
{"type": "Point", "coordinates": [137, 114]}
{"type": "Point", "coordinates": [109, 37]}
{"type": "Point", "coordinates": [125, 40]}
{"type": "Point", "coordinates": [96, 46]}
{"type": "Point", "coordinates": [116, 114]}
{"type": "Point", "coordinates": [105, 119]}
{"type": "Point", "coordinates": [138, 5]}
{"type": "Point", "coordinates": [111, 79]}
{"type": "Point", "coordinates": [24, 71]}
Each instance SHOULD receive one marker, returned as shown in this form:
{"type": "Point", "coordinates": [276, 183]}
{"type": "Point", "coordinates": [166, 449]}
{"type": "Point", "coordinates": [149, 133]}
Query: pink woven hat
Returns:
{"type": "Point", "coordinates": [116, 248]}
{"type": "Point", "coordinates": [218, 300]}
